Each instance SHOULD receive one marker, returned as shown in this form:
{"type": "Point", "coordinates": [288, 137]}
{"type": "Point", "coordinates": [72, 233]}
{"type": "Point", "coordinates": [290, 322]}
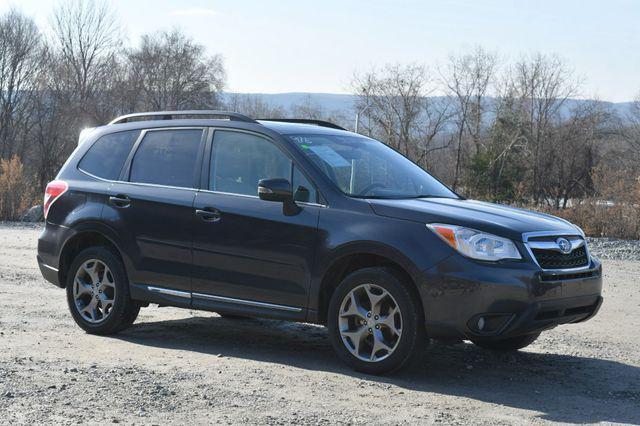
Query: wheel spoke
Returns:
{"type": "Point", "coordinates": [355, 309]}
{"type": "Point", "coordinates": [90, 309]}
{"type": "Point", "coordinates": [80, 287]}
{"type": "Point", "coordinates": [105, 304]}
{"type": "Point", "coordinates": [374, 298]}
{"type": "Point", "coordinates": [389, 321]}
{"type": "Point", "coordinates": [107, 279]}
{"type": "Point", "coordinates": [379, 344]}
{"type": "Point", "coordinates": [356, 337]}
{"type": "Point", "coordinates": [90, 268]}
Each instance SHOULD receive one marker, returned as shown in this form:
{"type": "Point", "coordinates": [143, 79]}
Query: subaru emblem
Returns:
{"type": "Point", "coordinates": [564, 245]}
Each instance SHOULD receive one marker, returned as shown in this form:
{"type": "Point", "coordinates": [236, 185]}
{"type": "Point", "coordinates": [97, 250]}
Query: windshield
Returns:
{"type": "Point", "coordinates": [366, 168]}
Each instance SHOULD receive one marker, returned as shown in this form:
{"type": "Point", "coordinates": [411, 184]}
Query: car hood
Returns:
{"type": "Point", "coordinates": [504, 221]}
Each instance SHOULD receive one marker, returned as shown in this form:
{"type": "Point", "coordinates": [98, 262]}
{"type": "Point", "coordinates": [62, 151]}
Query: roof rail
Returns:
{"type": "Point", "coordinates": [320, 123]}
{"type": "Point", "coordinates": [171, 115]}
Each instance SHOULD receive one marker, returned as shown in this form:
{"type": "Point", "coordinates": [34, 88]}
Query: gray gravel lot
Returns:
{"type": "Point", "coordinates": [615, 249]}
{"type": "Point", "coordinates": [177, 366]}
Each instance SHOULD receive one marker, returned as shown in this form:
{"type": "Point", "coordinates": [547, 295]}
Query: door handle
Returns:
{"type": "Point", "coordinates": [120, 201]}
{"type": "Point", "coordinates": [209, 214]}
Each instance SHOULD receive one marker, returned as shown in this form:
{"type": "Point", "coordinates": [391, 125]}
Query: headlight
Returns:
{"type": "Point", "coordinates": [476, 244]}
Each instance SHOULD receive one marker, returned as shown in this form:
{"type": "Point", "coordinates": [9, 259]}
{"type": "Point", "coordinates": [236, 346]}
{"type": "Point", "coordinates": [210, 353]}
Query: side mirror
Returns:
{"type": "Point", "coordinates": [277, 189]}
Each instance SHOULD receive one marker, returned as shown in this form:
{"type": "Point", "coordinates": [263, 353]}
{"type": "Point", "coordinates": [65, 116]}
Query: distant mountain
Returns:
{"type": "Point", "coordinates": [328, 101]}
{"type": "Point", "coordinates": [344, 103]}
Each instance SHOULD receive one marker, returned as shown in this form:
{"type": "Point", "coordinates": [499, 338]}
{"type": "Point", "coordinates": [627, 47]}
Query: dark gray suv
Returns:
{"type": "Point", "coordinates": [301, 220]}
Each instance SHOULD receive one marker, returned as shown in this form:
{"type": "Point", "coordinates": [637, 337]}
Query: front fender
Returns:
{"type": "Point", "coordinates": [341, 233]}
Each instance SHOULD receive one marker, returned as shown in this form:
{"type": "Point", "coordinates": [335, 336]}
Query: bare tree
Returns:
{"type": "Point", "coordinates": [312, 110]}
{"type": "Point", "coordinates": [171, 71]}
{"type": "Point", "coordinates": [542, 85]}
{"type": "Point", "coordinates": [467, 80]}
{"type": "Point", "coordinates": [87, 38]}
{"type": "Point", "coordinates": [392, 101]}
{"type": "Point", "coordinates": [49, 138]}
{"type": "Point", "coordinates": [573, 152]}
{"type": "Point", "coordinates": [436, 116]}
{"type": "Point", "coordinates": [631, 129]}
{"type": "Point", "coordinates": [254, 106]}
{"type": "Point", "coordinates": [21, 53]}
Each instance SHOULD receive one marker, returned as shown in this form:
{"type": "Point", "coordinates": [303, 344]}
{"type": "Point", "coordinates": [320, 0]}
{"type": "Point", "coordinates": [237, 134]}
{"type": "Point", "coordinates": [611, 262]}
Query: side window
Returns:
{"type": "Point", "coordinates": [107, 155]}
{"type": "Point", "coordinates": [240, 160]}
{"type": "Point", "coordinates": [303, 190]}
{"type": "Point", "coordinates": [167, 157]}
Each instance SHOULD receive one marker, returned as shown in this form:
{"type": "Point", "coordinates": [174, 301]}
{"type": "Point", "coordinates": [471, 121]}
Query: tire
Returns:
{"type": "Point", "coordinates": [347, 316]}
{"type": "Point", "coordinates": [120, 313]}
{"type": "Point", "coordinates": [507, 345]}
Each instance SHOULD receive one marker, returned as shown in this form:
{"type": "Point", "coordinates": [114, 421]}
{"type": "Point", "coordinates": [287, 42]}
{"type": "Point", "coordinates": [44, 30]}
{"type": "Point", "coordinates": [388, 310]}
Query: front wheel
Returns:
{"type": "Point", "coordinates": [509, 344]}
{"type": "Point", "coordinates": [98, 292]}
{"type": "Point", "coordinates": [375, 324]}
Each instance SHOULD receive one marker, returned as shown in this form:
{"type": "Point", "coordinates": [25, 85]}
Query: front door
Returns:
{"type": "Point", "coordinates": [247, 253]}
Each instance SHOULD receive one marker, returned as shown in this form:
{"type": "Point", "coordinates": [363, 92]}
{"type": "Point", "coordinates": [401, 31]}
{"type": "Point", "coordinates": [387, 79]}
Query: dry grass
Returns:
{"type": "Point", "coordinates": [16, 193]}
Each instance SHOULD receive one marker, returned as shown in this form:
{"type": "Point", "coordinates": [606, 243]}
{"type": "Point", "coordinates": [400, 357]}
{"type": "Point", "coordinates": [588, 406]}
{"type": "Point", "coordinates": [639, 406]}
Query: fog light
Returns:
{"type": "Point", "coordinates": [481, 324]}
{"type": "Point", "coordinates": [489, 323]}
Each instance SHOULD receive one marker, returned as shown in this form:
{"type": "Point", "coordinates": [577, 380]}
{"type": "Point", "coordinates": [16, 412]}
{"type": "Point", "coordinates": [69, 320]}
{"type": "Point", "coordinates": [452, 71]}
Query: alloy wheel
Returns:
{"type": "Point", "coordinates": [370, 323]}
{"type": "Point", "coordinates": [94, 291]}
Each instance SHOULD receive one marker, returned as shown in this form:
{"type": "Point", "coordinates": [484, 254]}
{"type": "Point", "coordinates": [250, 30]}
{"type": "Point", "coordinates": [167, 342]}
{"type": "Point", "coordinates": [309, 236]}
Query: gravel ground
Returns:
{"type": "Point", "coordinates": [177, 366]}
{"type": "Point", "coordinates": [615, 249]}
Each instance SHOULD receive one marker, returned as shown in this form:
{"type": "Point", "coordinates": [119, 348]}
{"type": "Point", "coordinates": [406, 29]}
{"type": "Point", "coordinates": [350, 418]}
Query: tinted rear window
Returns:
{"type": "Point", "coordinates": [167, 157]}
{"type": "Point", "coordinates": [108, 154]}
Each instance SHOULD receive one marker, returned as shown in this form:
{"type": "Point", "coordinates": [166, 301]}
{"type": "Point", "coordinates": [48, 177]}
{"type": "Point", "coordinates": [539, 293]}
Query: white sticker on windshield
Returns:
{"type": "Point", "coordinates": [330, 156]}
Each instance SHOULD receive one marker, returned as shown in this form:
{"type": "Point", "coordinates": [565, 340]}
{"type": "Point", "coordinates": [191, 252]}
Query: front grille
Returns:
{"type": "Point", "coordinates": [552, 259]}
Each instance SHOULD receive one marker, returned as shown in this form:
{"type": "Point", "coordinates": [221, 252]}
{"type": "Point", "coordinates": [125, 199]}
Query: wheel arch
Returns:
{"type": "Point", "coordinates": [353, 257]}
{"type": "Point", "coordinates": [85, 235]}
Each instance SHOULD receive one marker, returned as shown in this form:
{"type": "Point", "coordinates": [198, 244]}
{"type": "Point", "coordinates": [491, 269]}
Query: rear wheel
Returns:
{"type": "Point", "coordinates": [375, 324]}
{"type": "Point", "coordinates": [508, 345]}
{"type": "Point", "coordinates": [98, 292]}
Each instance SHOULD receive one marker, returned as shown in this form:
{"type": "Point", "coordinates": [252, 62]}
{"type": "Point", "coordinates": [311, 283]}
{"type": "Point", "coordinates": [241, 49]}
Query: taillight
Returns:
{"type": "Point", "coordinates": [54, 190]}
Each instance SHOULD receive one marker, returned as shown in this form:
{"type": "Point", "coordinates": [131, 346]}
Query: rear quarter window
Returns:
{"type": "Point", "coordinates": [107, 155]}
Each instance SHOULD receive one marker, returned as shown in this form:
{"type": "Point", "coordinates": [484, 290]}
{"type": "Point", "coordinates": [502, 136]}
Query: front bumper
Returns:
{"type": "Point", "coordinates": [465, 299]}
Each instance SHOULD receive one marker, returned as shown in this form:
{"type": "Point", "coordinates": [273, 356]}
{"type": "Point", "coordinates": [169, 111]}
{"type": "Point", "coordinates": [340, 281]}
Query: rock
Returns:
{"type": "Point", "coordinates": [34, 214]}
{"type": "Point", "coordinates": [8, 394]}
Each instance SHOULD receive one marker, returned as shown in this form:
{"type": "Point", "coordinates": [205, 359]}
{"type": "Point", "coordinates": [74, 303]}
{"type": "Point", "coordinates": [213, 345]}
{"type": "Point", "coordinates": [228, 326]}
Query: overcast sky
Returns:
{"type": "Point", "coordinates": [315, 46]}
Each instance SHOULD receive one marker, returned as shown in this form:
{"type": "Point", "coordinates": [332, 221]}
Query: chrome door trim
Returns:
{"type": "Point", "coordinates": [246, 302]}
{"type": "Point", "coordinates": [169, 292]}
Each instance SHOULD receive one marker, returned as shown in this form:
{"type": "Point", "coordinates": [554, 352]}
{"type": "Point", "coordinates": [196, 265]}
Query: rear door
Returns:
{"type": "Point", "coordinates": [247, 253]}
{"type": "Point", "coordinates": [151, 207]}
